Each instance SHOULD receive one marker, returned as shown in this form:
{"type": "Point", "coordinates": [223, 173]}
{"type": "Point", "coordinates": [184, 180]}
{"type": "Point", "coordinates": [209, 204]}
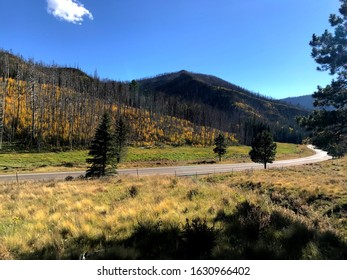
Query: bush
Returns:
{"type": "Point", "coordinates": [133, 191]}
{"type": "Point", "coordinates": [192, 193]}
{"type": "Point", "coordinates": [198, 239]}
{"type": "Point", "coordinates": [153, 240]}
{"type": "Point", "coordinates": [68, 178]}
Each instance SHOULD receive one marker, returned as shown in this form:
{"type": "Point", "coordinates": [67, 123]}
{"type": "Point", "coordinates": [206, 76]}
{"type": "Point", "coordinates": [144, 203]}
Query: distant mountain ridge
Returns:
{"type": "Point", "coordinates": [304, 101]}
{"type": "Point", "coordinates": [207, 79]}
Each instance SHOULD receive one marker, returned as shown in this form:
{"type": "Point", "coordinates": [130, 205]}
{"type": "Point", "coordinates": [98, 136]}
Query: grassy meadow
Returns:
{"type": "Point", "coordinates": [11, 162]}
{"type": "Point", "coordinates": [294, 213]}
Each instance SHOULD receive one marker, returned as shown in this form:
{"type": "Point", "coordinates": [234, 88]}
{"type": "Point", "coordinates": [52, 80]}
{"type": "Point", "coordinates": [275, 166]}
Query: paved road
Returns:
{"type": "Point", "coordinates": [177, 170]}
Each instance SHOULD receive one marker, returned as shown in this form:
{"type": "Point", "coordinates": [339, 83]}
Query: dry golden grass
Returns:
{"type": "Point", "coordinates": [32, 214]}
{"type": "Point", "coordinates": [37, 216]}
{"type": "Point", "coordinates": [328, 177]}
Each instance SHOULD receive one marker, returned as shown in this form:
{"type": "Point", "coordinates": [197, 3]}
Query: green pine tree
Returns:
{"type": "Point", "coordinates": [101, 150]}
{"type": "Point", "coordinates": [263, 148]}
{"type": "Point", "coordinates": [221, 147]}
{"type": "Point", "coordinates": [328, 122]}
{"type": "Point", "coordinates": [120, 139]}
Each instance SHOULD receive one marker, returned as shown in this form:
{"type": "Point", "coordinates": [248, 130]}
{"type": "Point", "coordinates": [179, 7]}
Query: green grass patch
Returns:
{"type": "Point", "coordinates": [136, 156]}
{"type": "Point", "coordinates": [29, 161]}
{"type": "Point", "coordinates": [288, 151]}
{"type": "Point", "coordinates": [185, 153]}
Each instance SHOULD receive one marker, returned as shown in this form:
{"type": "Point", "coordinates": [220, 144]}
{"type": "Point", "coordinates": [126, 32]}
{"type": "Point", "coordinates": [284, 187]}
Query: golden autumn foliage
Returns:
{"type": "Point", "coordinates": [46, 114]}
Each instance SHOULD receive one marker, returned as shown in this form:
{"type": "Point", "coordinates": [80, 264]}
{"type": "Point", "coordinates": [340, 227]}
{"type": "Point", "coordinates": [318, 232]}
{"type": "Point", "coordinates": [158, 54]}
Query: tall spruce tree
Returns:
{"type": "Point", "coordinates": [120, 138]}
{"type": "Point", "coordinates": [328, 122]}
{"type": "Point", "coordinates": [263, 148]}
{"type": "Point", "coordinates": [221, 147]}
{"type": "Point", "coordinates": [101, 150]}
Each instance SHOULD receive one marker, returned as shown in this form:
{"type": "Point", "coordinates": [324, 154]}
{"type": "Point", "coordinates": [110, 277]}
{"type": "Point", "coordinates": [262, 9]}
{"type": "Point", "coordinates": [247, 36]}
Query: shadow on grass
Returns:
{"type": "Point", "coordinates": [250, 233]}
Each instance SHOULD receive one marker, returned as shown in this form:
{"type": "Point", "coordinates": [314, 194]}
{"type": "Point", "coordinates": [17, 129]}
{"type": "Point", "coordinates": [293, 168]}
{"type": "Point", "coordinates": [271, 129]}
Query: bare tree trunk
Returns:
{"type": "Point", "coordinates": [3, 100]}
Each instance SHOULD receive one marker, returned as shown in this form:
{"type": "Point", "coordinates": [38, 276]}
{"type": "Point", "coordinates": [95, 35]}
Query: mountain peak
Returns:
{"type": "Point", "coordinates": [183, 72]}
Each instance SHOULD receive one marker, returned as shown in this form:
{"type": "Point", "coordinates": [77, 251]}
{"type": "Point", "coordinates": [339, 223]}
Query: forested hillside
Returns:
{"type": "Point", "coordinates": [209, 101]}
{"type": "Point", "coordinates": [47, 105]}
{"type": "Point", "coordinates": [59, 106]}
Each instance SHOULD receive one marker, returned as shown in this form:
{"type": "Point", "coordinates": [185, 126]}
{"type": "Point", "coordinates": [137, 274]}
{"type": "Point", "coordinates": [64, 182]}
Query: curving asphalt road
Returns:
{"type": "Point", "coordinates": [177, 170]}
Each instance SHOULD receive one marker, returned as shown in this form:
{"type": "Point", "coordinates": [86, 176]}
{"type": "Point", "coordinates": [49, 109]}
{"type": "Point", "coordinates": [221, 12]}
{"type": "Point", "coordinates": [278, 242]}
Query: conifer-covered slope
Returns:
{"type": "Point", "coordinates": [220, 94]}
{"type": "Point", "coordinates": [209, 100]}
{"type": "Point", "coordinates": [57, 106]}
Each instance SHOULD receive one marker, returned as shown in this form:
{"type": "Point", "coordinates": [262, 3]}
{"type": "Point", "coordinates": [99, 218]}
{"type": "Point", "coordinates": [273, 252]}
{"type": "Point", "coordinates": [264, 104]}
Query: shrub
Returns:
{"type": "Point", "coordinates": [133, 191]}
{"type": "Point", "coordinates": [192, 193]}
{"type": "Point", "coordinates": [68, 178]}
{"type": "Point", "coordinates": [154, 240]}
{"type": "Point", "coordinates": [198, 239]}
{"type": "Point", "coordinates": [251, 185]}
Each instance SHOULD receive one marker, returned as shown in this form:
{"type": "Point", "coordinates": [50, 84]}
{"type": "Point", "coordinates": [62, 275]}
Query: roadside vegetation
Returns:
{"type": "Point", "coordinates": [27, 161]}
{"type": "Point", "coordinates": [290, 213]}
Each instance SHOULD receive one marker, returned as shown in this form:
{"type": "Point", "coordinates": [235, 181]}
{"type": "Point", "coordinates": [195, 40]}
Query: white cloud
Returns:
{"type": "Point", "coordinates": [68, 10]}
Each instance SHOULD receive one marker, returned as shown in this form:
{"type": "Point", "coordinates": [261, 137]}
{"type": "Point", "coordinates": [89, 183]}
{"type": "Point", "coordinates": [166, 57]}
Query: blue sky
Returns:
{"type": "Point", "coordinates": [261, 45]}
